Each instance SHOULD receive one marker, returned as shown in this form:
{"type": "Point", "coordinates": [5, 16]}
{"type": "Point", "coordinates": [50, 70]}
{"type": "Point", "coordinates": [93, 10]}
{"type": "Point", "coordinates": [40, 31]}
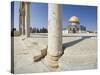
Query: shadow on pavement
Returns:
{"type": "Point", "coordinates": [69, 44]}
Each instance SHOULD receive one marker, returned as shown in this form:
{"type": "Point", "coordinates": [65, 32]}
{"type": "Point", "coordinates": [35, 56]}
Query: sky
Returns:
{"type": "Point", "coordinates": [39, 15]}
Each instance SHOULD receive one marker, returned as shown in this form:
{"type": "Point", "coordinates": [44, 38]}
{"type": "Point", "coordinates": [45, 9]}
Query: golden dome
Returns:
{"type": "Point", "coordinates": [74, 19]}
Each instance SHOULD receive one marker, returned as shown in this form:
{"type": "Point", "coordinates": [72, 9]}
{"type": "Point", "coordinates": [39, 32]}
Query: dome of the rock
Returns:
{"type": "Point", "coordinates": [74, 19]}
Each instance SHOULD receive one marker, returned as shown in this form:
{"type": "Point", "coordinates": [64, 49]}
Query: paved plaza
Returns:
{"type": "Point", "coordinates": [80, 53]}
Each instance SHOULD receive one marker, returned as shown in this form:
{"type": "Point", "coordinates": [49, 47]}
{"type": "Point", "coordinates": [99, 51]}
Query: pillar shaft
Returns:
{"type": "Point", "coordinates": [54, 30]}
{"type": "Point", "coordinates": [54, 34]}
{"type": "Point", "coordinates": [22, 18]}
{"type": "Point", "coordinates": [20, 23]}
{"type": "Point", "coordinates": [27, 19]}
{"type": "Point", "coordinates": [23, 25]}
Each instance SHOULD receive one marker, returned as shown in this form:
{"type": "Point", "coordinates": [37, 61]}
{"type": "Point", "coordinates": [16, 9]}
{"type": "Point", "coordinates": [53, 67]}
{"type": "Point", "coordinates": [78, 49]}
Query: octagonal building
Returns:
{"type": "Point", "coordinates": [74, 25]}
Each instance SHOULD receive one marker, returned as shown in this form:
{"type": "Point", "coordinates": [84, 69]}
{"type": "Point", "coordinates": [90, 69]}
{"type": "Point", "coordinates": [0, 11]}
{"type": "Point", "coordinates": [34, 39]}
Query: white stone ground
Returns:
{"type": "Point", "coordinates": [80, 53]}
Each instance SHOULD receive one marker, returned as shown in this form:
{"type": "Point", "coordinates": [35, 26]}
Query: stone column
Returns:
{"type": "Point", "coordinates": [20, 19]}
{"type": "Point", "coordinates": [54, 35]}
{"type": "Point", "coordinates": [22, 13]}
{"type": "Point", "coordinates": [23, 25]}
{"type": "Point", "coordinates": [27, 19]}
{"type": "Point", "coordinates": [20, 22]}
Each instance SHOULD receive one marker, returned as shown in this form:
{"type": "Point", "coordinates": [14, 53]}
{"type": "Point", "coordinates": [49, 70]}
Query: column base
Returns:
{"type": "Point", "coordinates": [52, 61]}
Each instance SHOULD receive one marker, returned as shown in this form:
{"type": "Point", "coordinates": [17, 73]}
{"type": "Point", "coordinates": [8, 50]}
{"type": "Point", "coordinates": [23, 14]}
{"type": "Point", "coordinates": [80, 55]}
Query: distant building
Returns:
{"type": "Point", "coordinates": [74, 26]}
